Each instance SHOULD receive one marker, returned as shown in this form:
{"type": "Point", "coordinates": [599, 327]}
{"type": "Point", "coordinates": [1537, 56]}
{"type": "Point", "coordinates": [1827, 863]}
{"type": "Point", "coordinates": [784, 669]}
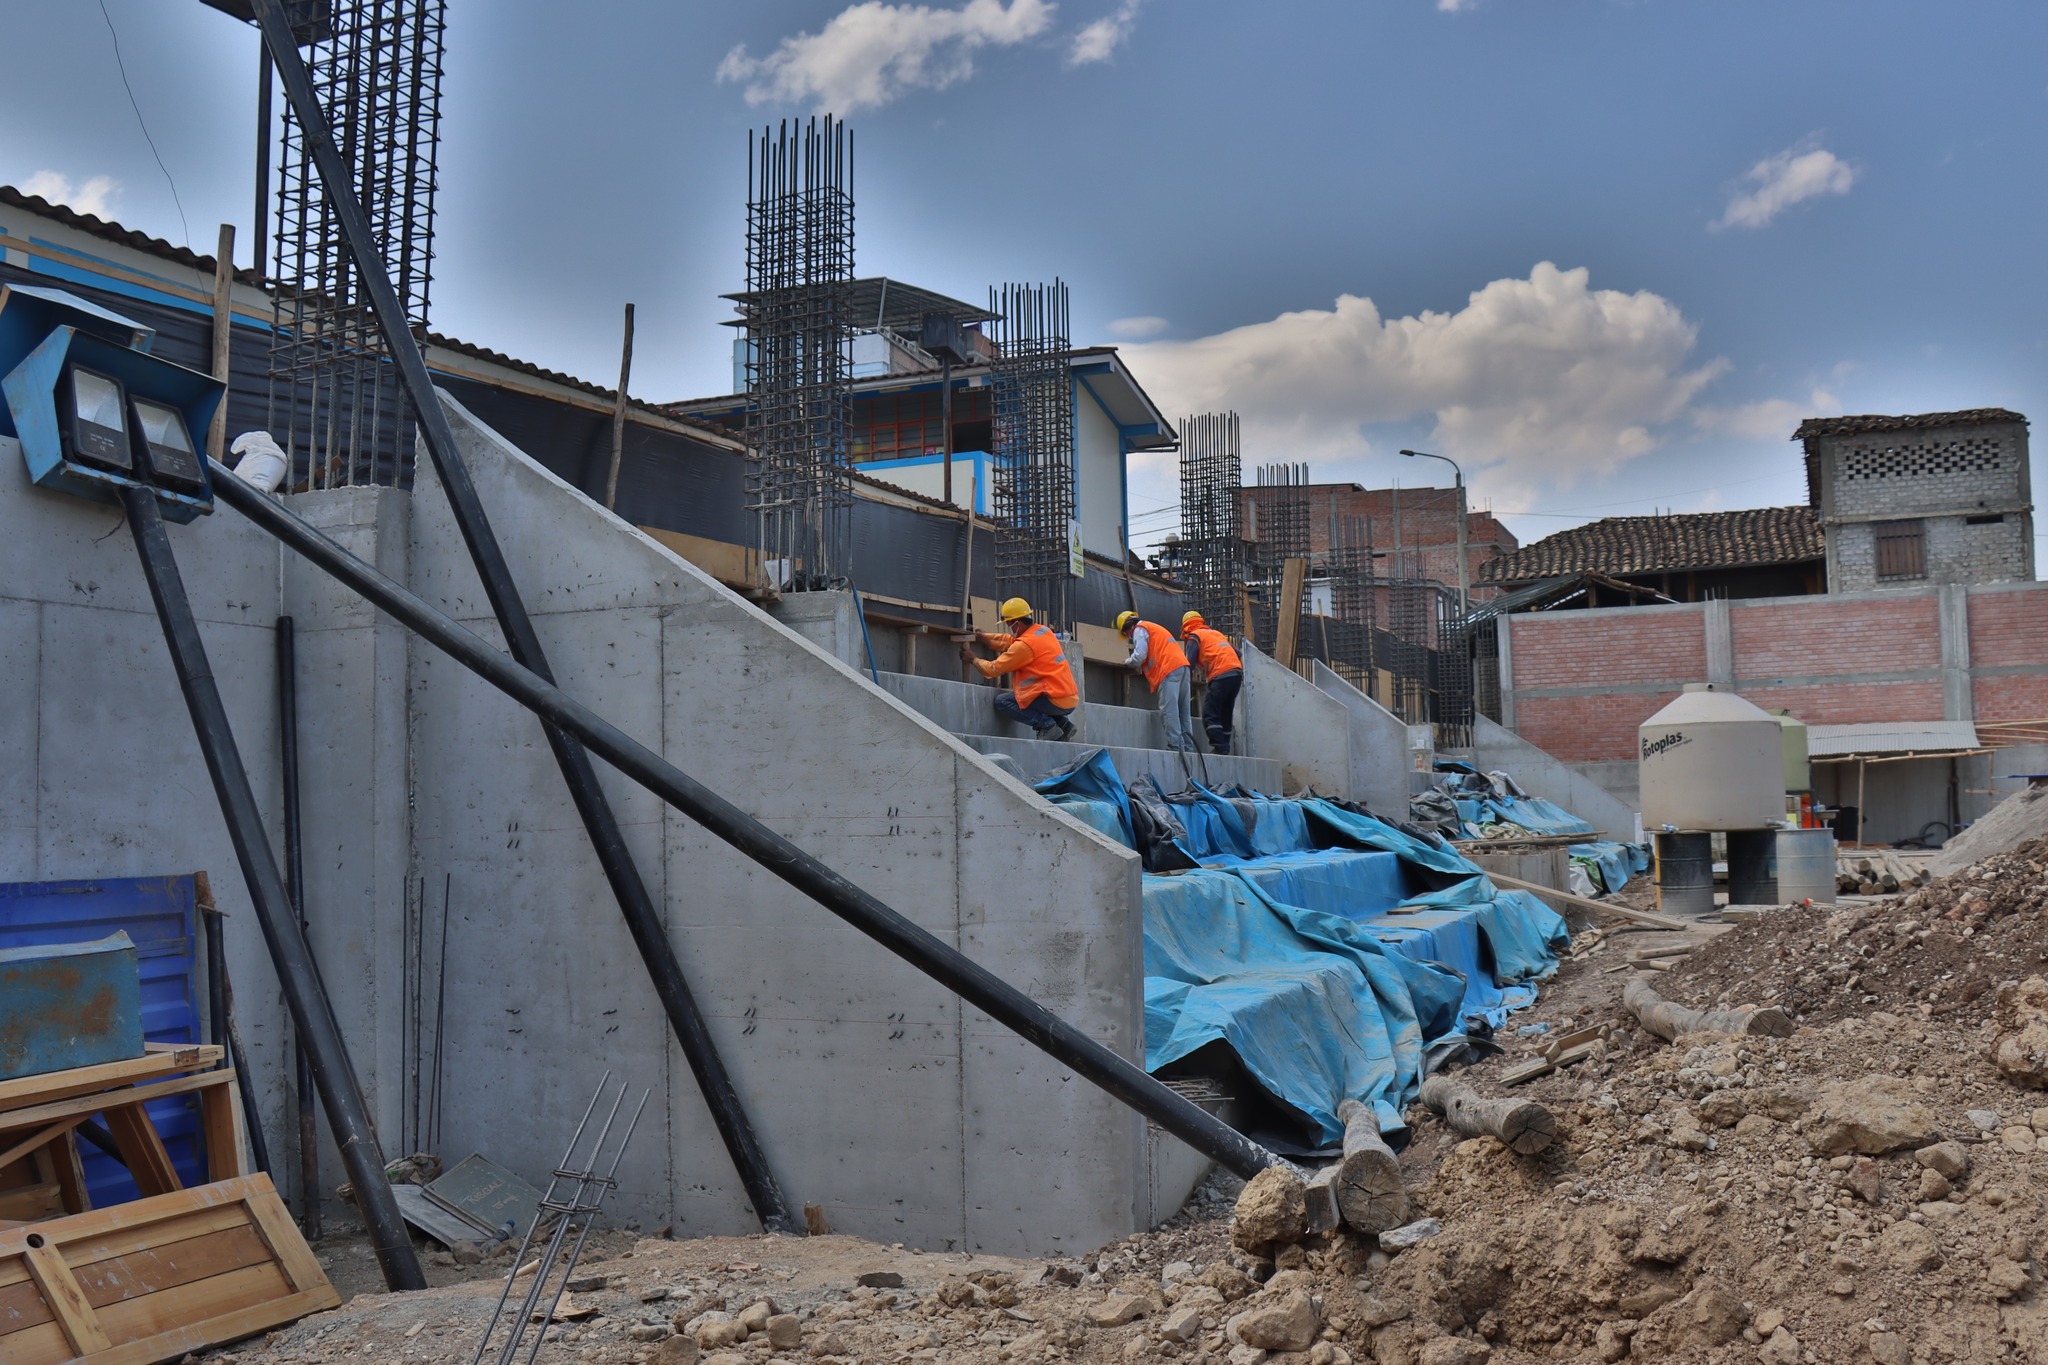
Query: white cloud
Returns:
{"type": "Point", "coordinates": [1791, 177]}
{"type": "Point", "coordinates": [1544, 380]}
{"type": "Point", "coordinates": [1137, 328]}
{"type": "Point", "coordinates": [1097, 41]}
{"type": "Point", "coordinates": [870, 53]}
{"type": "Point", "coordinates": [94, 196]}
{"type": "Point", "coordinates": [1453, 6]}
{"type": "Point", "coordinates": [1773, 419]}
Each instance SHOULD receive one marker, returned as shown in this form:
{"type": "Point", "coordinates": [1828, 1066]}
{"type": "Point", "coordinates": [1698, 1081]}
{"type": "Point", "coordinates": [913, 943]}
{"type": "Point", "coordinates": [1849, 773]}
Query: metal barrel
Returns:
{"type": "Point", "coordinates": [1685, 873]}
{"type": "Point", "coordinates": [1806, 866]}
{"type": "Point", "coordinates": [1753, 867]}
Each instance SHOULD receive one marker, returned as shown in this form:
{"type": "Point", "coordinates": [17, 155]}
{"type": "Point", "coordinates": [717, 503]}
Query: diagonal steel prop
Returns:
{"type": "Point", "coordinates": [643, 921]}
{"type": "Point", "coordinates": [937, 959]}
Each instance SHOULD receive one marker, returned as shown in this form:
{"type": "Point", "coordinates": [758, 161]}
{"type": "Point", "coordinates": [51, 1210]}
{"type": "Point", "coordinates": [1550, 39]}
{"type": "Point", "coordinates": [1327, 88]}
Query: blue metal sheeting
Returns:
{"type": "Point", "coordinates": [1284, 945]}
{"type": "Point", "coordinates": [157, 914]}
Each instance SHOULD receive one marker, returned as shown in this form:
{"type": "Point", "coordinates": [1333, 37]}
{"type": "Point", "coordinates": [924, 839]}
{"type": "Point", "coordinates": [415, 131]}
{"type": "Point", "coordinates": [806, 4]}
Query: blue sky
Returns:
{"type": "Point", "coordinates": [1605, 252]}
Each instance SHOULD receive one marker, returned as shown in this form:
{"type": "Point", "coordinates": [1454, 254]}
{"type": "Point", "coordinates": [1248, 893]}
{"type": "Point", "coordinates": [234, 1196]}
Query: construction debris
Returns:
{"type": "Point", "coordinates": [1669, 1020]}
{"type": "Point", "coordinates": [1523, 1126]}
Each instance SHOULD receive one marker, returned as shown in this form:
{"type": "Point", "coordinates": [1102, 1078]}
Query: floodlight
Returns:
{"type": "Point", "coordinates": [94, 424]}
{"type": "Point", "coordinates": [165, 445]}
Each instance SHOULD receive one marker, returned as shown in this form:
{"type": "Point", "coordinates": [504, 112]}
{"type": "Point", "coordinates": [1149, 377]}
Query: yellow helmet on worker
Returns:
{"type": "Point", "coordinates": [1124, 621]}
{"type": "Point", "coordinates": [1191, 618]}
{"type": "Point", "coordinates": [1016, 609]}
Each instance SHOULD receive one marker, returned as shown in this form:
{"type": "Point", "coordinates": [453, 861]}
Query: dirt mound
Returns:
{"type": "Point", "coordinates": [1940, 951]}
{"type": "Point", "coordinates": [2013, 821]}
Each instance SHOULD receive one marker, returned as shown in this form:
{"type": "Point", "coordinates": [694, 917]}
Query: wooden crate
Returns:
{"type": "Point", "coordinates": [150, 1280]}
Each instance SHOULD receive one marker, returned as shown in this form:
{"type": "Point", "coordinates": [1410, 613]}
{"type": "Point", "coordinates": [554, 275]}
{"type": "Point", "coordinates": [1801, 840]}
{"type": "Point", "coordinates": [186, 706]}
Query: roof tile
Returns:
{"type": "Point", "coordinates": [1697, 540]}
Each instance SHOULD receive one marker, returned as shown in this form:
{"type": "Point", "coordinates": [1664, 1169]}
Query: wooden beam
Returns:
{"type": "Point", "coordinates": [1287, 631]}
{"type": "Point", "coordinates": [112, 1099]}
{"type": "Point", "coordinates": [158, 1059]}
{"type": "Point", "coordinates": [611, 482]}
{"type": "Point", "coordinates": [223, 334]}
{"type": "Point", "coordinates": [142, 1150]}
{"type": "Point", "coordinates": [1606, 907]}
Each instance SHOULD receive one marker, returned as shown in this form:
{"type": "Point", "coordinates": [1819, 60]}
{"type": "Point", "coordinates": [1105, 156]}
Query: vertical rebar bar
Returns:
{"type": "Point", "coordinates": [1211, 546]}
{"type": "Point", "coordinates": [1033, 416]}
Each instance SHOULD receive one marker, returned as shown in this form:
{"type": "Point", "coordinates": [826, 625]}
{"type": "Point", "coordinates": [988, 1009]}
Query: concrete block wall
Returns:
{"type": "Point", "coordinates": [1579, 683]}
{"type": "Point", "coordinates": [877, 1094]}
{"type": "Point", "coordinates": [1943, 476]}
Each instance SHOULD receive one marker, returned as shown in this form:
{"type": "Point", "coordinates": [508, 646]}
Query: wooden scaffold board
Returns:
{"type": "Point", "coordinates": [151, 1280]}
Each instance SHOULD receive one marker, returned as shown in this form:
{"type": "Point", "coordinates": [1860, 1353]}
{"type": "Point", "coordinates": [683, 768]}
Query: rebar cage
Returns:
{"type": "Point", "coordinates": [798, 351]}
{"type": "Point", "coordinates": [1033, 412]}
{"type": "Point", "coordinates": [335, 402]}
{"type": "Point", "coordinates": [1211, 552]}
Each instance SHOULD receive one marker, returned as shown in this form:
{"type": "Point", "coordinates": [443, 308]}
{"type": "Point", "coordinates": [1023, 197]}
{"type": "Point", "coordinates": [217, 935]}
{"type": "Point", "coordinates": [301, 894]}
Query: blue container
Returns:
{"type": "Point", "coordinates": [65, 1005]}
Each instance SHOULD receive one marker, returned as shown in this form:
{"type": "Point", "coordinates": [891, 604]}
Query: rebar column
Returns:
{"type": "Point", "coordinates": [1033, 415]}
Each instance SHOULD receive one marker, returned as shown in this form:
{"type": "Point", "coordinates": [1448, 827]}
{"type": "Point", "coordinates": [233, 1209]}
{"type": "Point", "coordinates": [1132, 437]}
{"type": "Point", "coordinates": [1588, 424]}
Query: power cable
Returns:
{"type": "Point", "coordinates": [122, 67]}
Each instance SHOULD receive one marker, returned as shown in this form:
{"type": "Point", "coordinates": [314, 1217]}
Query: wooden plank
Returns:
{"type": "Point", "coordinates": [221, 1128]}
{"type": "Point", "coordinates": [142, 1150]}
{"type": "Point", "coordinates": [301, 1268]}
{"type": "Point", "coordinates": [43, 1344]}
{"type": "Point", "coordinates": [1293, 576]}
{"type": "Point", "coordinates": [158, 1268]}
{"type": "Point", "coordinates": [38, 1139]}
{"type": "Point", "coordinates": [65, 1299]}
{"type": "Point", "coordinates": [158, 1059]}
{"type": "Point", "coordinates": [21, 1307]}
{"type": "Point", "coordinates": [167, 1231]}
{"type": "Point", "coordinates": [31, 1203]}
{"type": "Point", "coordinates": [1605, 907]}
{"type": "Point", "coordinates": [153, 1315]}
{"type": "Point", "coordinates": [229, 1326]}
{"type": "Point", "coordinates": [102, 1225]}
{"type": "Point", "coordinates": [93, 1104]}
{"type": "Point", "coordinates": [70, 1174]}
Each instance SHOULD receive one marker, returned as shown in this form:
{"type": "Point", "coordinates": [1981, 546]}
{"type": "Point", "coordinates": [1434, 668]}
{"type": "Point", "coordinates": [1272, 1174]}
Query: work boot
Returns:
{"type": "Point", "coordinates": [1066, 728]}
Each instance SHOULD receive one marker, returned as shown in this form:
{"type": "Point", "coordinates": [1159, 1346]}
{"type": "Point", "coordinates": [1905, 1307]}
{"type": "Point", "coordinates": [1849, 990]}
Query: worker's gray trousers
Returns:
{"type": "Point", "coordinates": [1174, 707]}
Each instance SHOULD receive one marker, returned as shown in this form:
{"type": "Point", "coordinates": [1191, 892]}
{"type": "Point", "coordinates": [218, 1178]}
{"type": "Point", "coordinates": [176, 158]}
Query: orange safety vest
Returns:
{"type": "Point", "coordinates": [1213, 651]}
{"type": "Point", "coordinates": [1162, 654]}
{"type": "Point", "coordinates": [1045, 673]}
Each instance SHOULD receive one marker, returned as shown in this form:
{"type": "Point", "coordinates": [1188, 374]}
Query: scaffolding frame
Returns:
{"type": "Point", "coordinates": [1211, 549]}
{"type": "Point", "coordinates": [335, 403]}
{"type": "Point", "coordinates": [1033, 414]}
{"type": "Point", "coordinates": [799, 362]}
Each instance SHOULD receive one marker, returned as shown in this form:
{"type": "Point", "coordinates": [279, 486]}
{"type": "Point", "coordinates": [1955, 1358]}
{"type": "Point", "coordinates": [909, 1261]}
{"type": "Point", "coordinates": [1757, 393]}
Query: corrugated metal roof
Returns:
{"type": "Point", "coordinates": [1891, 737]}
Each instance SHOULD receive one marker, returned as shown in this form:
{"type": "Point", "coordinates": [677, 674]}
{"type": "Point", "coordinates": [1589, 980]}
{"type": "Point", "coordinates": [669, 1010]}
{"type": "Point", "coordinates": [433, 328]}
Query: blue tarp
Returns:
{"type": "Point", "coordinates": [1285, 945]}
{"type": "Point", "coordinates": [1610, 863]}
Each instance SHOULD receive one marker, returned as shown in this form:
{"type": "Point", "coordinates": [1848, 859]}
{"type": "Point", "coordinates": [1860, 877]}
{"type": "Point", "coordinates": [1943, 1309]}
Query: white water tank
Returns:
{"type": "Point", "coordinates": [1712, 761]}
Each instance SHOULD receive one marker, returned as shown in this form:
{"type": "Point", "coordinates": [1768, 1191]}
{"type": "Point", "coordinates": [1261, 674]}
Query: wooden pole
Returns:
{"type": "Point", "coordinates": [1370, 1194]}
{"type": "Point", "coordinates": [1639, 916]}
{"type": "Point", "coordinates": [611, 483]}
{"type": "Point", "coordinates": [1667, 1019]}
{"type": "Point", "coordinates": [223, 333]}
{"type": "Point", "coordinates": [1861, 814]}
{"type": "Point", "coordinates": [1523, 1126]}
{"type": "Point", "coordinates": [1287, 629]}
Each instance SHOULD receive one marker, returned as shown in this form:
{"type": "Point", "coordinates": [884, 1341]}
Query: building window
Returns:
{"type": "Point", "coordinates": [1985, 519]}
{"type": "Point", "coordinates": [1901, 549]}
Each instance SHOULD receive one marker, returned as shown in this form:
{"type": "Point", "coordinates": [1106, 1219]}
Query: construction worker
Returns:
{"type": "Point", "coordinates": [1044, 694]}
{"type": "Point", "coordinates": [1156, 654]}
{"type": "Point", "coordinates": [1212, 653]}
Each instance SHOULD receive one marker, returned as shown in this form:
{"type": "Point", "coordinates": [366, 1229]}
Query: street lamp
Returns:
{"type": "Point", "coordinates": [1464, 567]}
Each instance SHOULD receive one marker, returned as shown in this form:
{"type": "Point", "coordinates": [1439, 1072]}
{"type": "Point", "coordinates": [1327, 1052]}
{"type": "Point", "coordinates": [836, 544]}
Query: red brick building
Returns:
{"type": "Point", "coordinates": [1413, 531]}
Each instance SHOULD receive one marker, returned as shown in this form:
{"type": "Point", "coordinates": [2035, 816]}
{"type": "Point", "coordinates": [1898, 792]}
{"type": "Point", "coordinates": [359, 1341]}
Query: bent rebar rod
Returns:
{"type": "Point", "coordinates": [937, 959]}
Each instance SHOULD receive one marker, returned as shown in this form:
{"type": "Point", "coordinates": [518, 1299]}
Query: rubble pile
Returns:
{"type": "Point", "coordinates": [1942, 951]}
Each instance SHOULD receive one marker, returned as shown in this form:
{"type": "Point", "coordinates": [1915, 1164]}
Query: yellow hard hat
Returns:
{"type": "Point", "coordinates": [1016, 609]}
{"type": "Point", "coordinates": [1124, 621]}
{"type": "Point", "coordinates": [1191, 618]}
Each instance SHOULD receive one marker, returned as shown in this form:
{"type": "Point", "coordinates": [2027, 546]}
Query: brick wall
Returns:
{"type": "Point", "coordinates": [1940, 476]}
{"type": "Point", "coordinates": [1582, 681]}
{"type": "Point", "coordinates": [1428, 528]}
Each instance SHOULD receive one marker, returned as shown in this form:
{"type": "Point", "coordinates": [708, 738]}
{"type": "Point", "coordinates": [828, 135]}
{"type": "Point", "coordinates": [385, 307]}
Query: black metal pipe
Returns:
{"type": "Point", "coordinates": [222, 993]}
{"type": "Point", "coordinates": [312, 1012]}
{"type": "Point", "coordinates": [295, 885]}
{"type": "Point", "coordinates": [96, 1133]}
{"type": "Point", "coordinates": [643, 921]}
{"type": "Point", "coordinates": [940, 961]}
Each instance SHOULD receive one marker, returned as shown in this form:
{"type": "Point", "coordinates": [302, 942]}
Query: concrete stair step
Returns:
{"type": "Point", "coordinates": [1037, 757]}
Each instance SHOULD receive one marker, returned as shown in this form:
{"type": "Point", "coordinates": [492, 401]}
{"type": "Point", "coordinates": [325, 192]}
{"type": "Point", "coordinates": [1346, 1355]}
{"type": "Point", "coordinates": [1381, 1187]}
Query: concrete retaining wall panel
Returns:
{"type": "Point", "coordinates": [1282, 715]}
{"type": "Point", "coordinates": [1378, 746]}
{"type": "Point", "coordinates": [1494, 748]}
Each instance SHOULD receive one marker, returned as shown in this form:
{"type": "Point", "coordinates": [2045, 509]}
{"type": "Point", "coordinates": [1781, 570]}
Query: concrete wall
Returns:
{"type": "Point", "coordinates": [1378, 747]}
{"type": "Point", "coordinates": [1494, 748]}
{"type": "Point", "coordinates": [1967, 485]}
{"type": "Point", "coordinates": [1282, 715]}
{"type": "Point", "coordinates": [876, 1093]}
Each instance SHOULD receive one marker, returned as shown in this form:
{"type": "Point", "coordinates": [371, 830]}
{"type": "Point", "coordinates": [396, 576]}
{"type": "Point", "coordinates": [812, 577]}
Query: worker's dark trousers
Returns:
{"type": "Point", "coordinates": [1217, 707]}
{"type": "Point", "coordinates": [1041, 715]}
